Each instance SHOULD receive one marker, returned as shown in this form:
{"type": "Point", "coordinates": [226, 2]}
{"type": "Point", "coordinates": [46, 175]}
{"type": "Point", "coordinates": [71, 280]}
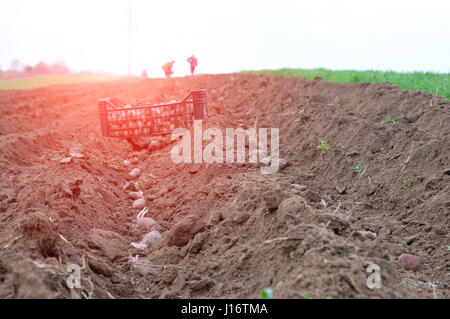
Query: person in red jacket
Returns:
{"type": "Point", "coordinates": [167, 68]}
{"type": "Point", "coordinates": [193, 61]}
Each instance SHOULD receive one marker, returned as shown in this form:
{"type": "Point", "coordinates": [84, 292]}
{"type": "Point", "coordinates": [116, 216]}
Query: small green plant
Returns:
{"type": "Point", "coordinates": [323, 146]}
{"type": "Point", "coordinates": [215, 230]}
{"type": "Point", "coordinates": [357, 168]}
{"type": "Point", "coordinates": [406, 184]}
{"type": "Point", "coordinates": [141, 182]}
{"type": "Point", "coordinates": [225, 87]}
{"type": "Point", "coordinates": [388, 119]}
{"type": "Point", "coordinates": [308, 295]}
{"type": "Point", "coordinates": [292, 254]}
{"type": "Point", "coordinates": [267, 293]}
{"type": "Point", "coordinates": [115, 165]}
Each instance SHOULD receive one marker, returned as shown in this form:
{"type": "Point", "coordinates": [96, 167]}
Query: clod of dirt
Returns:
{"type": "Point", "coordinates": [338, 224]}
{"type": "Point", "coordinates": [151, 197]}
{"type": "Point", "coordinates": [184, 230]}
{"type": "Point", "coordinates": [29, 283]}
{"type": "Point", "coordinates": [411, 239]}
{"type": "Point", "coordinates": [135, 173]}
{"type": "Point", "coordinates": [145, 267]}
{"type": "Point", "coordinates": [177, 285]}
{"type": "Point", "coordinates": [110, 243]}
{"type": "Point", "coordinates": [100, 267]}
{"type": "Point", "coordinates": [197, 243]}
{"type": "Point", "coordinates": [71, 189]}
{"type": "Point", "coordinates": [376, 146]}
{"type": "Point", "coordinates": [372, 189]}
{"type": "Point", "coordinates": [432, 183]}
{"type": "Point", "coordinates": [267, 160]}
{"type": "Point", "coordinates": [410, 262]}
{"type": "Point", "coordinates": [193, 169]}
{"type": "Point", "coordinates": [115, 279]}
{"type": "Point", "coordinates": [291, 210]}
{"type": "Point", "coordinates": [282, 163]}
{"type": "Point", "coordinates": [40, 230]}
{"type": "Point", "coordinates": [165, 255]}
{"type": "Point", "coordinates": [164, 190]}
{"type": "Point", "coordinates": [134, 160]}
{"type": "Point", "coordinates": [273, 198]}
{"type": "Point", "coordinates": [341, 189]}
{"type": "Point", "coordinates": [240, 217]}
{"type": "Point", "coordinates": [204, 283]}
{"type": "Point", "coordinates": [154, 145]}
{"type": "Point", "coordinates": [311, 196]}
{"type": "Point", "coordinates": [137, 143]}
{"type": "Point", "coordinates": [168, 275]}
{"type": "Point", "coordinates": [139, 203]}
{"type": "Point", "coordinates": [214, 217]}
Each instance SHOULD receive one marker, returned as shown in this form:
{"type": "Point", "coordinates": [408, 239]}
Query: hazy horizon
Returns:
{"type": "Point", "coordinates": [230, 36]}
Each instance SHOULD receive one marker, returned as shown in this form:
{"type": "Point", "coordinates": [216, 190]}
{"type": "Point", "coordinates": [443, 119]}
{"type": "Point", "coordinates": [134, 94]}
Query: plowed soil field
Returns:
{"type": "Point", "coordinates": [227, 230]}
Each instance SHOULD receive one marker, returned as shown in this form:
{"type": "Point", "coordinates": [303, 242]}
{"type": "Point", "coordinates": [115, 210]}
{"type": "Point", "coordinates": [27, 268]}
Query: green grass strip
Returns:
{"type": "Point", "coordinates": [435, 83]}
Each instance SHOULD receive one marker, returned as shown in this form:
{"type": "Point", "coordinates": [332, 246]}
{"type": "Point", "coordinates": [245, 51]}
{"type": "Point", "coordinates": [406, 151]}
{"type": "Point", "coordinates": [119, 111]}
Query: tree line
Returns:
{"type": "Point", "coordinates": [41, 67]}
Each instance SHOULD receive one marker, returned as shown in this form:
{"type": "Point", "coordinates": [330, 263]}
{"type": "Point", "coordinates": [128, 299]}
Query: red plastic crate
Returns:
{"type": "Point", "coordinates": [120, 120]}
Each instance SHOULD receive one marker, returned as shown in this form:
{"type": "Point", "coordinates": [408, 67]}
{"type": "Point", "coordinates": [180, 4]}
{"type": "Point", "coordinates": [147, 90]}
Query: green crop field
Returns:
{"type": "Point", "coordinates": [435, 83]}
{"type": "Point", "coordinates": [40, 81]}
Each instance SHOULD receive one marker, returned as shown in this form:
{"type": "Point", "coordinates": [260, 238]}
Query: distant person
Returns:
{"type": "Point", "coordinates": [167, 68]}
{"type": "Point", "coordinates": [193, 61]}
{"type": "Point", "coordinates": [144, 74]}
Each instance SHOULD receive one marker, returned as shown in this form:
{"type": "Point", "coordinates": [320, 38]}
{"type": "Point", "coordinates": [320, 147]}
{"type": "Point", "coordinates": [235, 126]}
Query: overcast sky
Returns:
{"type": "Point", "coordinates": [228, 35]}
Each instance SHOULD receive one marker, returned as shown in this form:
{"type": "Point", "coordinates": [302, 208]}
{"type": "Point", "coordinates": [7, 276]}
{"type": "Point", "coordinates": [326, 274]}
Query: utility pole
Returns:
{"type": "Point", "coordinates": [129, 43]}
